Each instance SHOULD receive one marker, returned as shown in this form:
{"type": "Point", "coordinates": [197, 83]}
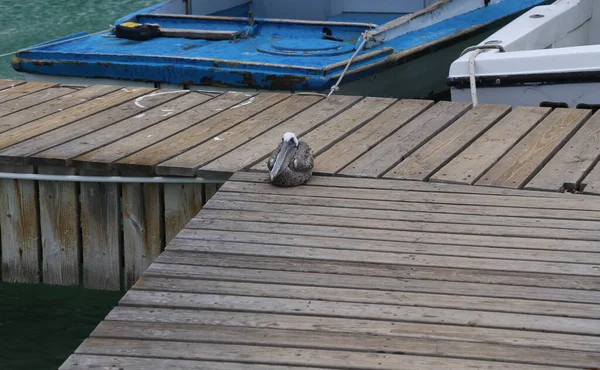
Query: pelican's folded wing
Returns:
{"type": "Point", "coordinates": [303, 161]}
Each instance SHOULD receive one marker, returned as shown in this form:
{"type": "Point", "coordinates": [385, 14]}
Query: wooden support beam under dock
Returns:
{"type": "Point", "coordinates": [365, 274]}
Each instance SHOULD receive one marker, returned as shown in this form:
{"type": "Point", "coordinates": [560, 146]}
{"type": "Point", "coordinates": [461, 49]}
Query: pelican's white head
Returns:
{"type": "Point", "coordinates": [290, 137]}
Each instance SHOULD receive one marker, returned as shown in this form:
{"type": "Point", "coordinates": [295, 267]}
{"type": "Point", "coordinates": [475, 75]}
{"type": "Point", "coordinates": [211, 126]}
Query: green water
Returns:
{"type": "Point", "coordinates": [42, 325]}
{"type": "Point", "coordinates": [28, 22]}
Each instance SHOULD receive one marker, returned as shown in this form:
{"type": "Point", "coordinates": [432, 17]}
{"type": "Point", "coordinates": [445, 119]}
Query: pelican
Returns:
{"type": "Point", "coordinates": [291, 163]}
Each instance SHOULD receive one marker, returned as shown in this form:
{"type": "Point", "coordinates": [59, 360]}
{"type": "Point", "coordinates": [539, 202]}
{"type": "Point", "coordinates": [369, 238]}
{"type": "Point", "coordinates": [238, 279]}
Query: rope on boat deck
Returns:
{"type": "Point", "coordinates": [365, 36]}
{"type": "Point", "coordinates": [477, 49]}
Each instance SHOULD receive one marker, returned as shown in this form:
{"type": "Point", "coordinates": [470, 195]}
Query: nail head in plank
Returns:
{"type": "Point", "coordinates": [64, 153]}
{"type": "Point", "coordinates": [326, 135]}
{"type": "Point", "coordinates": [54, 106]}
{"type": "Point", "coordinates": [468, 166]}
{"type": "Point", "coordinates": [573, 161]}
{"type": "Point", "coordinates": [438, 151]}
{"type": "Point", "coordinates": [207, 129]}
{"type": "Point", "coordinates": [19, 228]}
{"type": "Point", "coordinates": [263, 145]}
{"type": "Point", "coordinates": [407, 139]}
{"type": "Point", "coordinates": [60, 231]}
{"type": "Point", "coordinates": [21, 90]}
{"type": "Point", "coordinates": [104, 157]}
{"type": "Point", "coordinates": [525, 159]}
{"type": "Point", "coordinates": [68, 116]}
{"type": "Point", "coordinates": [369, 135]}
{"type": "Point", "coordinates": [188, 162]}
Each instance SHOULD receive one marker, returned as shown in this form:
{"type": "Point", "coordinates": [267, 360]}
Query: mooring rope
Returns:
{"type": "Point", "coordinates": [478, 49]}
{"type": "Point", "coordinates": [366, 36]}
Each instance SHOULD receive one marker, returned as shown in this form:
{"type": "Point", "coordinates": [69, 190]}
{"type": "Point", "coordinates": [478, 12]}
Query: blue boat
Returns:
{"type": "Point", "coordinates": [397, 48]}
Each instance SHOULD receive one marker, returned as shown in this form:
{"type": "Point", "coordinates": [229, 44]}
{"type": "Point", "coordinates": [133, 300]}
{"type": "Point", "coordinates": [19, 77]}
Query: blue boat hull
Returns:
{"type": "Point", "coordinates": [280, 55]}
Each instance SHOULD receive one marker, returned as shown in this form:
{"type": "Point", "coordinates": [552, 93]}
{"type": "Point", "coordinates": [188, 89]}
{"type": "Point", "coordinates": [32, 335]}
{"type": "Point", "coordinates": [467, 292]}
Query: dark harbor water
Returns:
{"type": "Point", "coordinates": [41, 325]}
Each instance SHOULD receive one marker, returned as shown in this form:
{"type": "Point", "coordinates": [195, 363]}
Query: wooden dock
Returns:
{"type": "Point", "coordinates": [182, 133]}
{"type": "Point", "coordinates": [355, 270]}
{"type": "Point", "coordinates": [365, 274]}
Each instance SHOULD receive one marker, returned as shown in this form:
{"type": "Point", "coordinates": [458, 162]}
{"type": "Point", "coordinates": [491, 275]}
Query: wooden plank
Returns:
{"type": "Point", "coordinates": [64, 153]}
{"type": "Point", "coordinates": [571, 164]}
{"type": "Point", "coordinates": [209, 191]}
{"type": "Point", "coordinates": [522, 162]}
{"type": "Point", "coordinates": [204, 237]}
{"type": "Point", "coordinates": [342, 125]}
{"type": "Point", "coordinates": [53, 106]}
{"type": "Point", "coordinates": [187, 163]}
{"type": "Point", "coordinates": [460, 213]}
{"type": "Point", "coordinates": [438, 151]}
{"type": "Point", "coordinates": [591, 183]}
{"type": "Point", "coordinates": [21, 90]}
{"type": "Point", "coordinates": [323, 325]}
{"type": "Point", "coordinates": [68, 116]}
{"type": "Point", "coordinates": [469, 165]}
{"type": "Point", "coordinates": [241, 202]}
{"type": "Point", "coordinates": [102, 158]}
{"type": "Point", "coordinates": [406, 140]}
{"type": "Point", "coordinates": [410, 236]}
{"type": "Point", "coordinates": [582, 203]}
{"type": "Point", "coordinates": [60, 229]}
{"type": "Point", "coordinates": [487, 319]}
{"type": "Point", "coordinates": [36, 98]}
{"type": "Point", "coordinates": [490, 276]}
{"type": "Point", "coordinates": [142, 228]}
{"type": "Point", "coordinates": [19, 228]}
{"type": "Point", "coordinates": [262, 146]}
{"type": "Point", "coordinates": [278, 290]}
{"type": "Point", "coordinates": [182, 203]}
{"type": "Point", "coordinates": [342, 341]}
{"type": "Point", "coordinates": [9, 84]}
{"type": "Point", "coordinates": [107, 118]}
{"type": "Point", "coordinates": [396, 258]}
{"type": "Point", "coordinates": [343, 280]}
{"type": "Point", "coordinates": [407, 185]}
{"type": "Point", "coordinates": [137, 363]}
{"type": "Point", "coordinates": [283, 356]}
{"type": "Point", "coordinates": [100, 227]}
{"type": "Point", "coordinates": [372, 133]}
{"type": "Point", "coordinates": [210, 129]}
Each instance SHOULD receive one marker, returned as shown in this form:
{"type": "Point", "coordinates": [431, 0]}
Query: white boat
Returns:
{"type": "Point", "coordinates": [549, 56]}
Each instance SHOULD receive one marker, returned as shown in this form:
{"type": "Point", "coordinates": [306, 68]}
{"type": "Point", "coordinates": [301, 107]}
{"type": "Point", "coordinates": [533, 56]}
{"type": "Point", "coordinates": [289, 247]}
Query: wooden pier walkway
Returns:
{"type": "Point", "coordinates": [182, 133]}
{"type": "Point", "coordinates": [355, 270]}
{"type": "Point", "coordinates": [365, 274]}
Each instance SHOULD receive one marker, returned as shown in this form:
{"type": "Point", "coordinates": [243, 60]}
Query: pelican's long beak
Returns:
{"type": "Point", "coordinates": [283, 159]}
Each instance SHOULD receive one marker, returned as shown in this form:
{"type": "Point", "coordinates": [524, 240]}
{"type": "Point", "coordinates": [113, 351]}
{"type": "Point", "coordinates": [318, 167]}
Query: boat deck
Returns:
{"type": "Point", "coordinates": [182, 133]}
{"type": "Point", "coordinates": [365, 274]}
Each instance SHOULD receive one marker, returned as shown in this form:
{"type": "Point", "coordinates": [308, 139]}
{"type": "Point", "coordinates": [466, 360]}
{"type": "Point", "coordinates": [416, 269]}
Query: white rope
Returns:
{"type": "Point", "coordinates": [53, 43]}
{"type": "Point", "coordinates": [366, 36]}
{"type": "Point", "coordinates": [476, 50]}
